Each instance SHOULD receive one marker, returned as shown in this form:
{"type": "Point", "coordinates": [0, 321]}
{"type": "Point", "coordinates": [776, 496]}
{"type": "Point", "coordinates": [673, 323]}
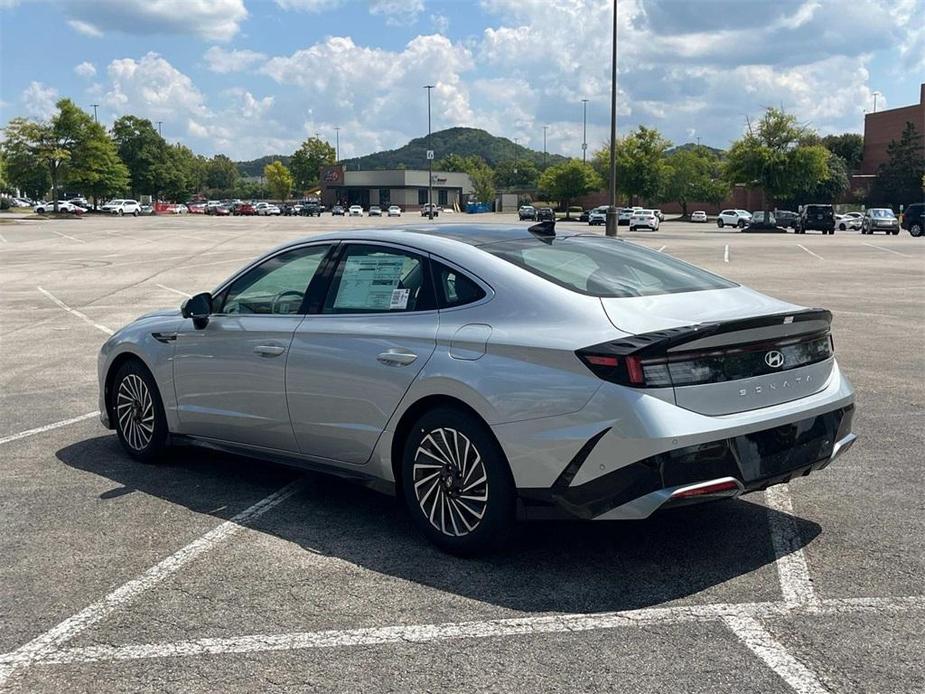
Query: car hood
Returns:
{"type": "Point", "coordinates": [160, 313]}
{"type": "Point", "coordinates": [643, 314]}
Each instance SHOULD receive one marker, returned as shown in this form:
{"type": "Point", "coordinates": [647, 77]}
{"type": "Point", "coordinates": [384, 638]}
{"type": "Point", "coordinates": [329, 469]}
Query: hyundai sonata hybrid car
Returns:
{"type": "Point", "coordinates": [488, 374]}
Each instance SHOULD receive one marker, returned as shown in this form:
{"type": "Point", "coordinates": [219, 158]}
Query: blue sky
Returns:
{"type": "Point", "coordinates": [255, 77]}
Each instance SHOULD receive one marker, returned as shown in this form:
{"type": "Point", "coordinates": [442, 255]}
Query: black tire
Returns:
{"type": "Point", "coordinates": [895, 232]}
{"type": "Point", "coordinates": [135, 213]}
{"type": "Point", "coordinates": [142, 430]}
{"type": "Point", "coordinates": [915, 229]}
{"type": "Point", "coordinates": [452, 520]}
{"type": "Point", "coordinates": [720, 223]}
{"type": "Point", "coordinates": [842, 227]}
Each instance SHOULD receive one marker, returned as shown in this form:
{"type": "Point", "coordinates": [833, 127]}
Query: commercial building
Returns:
{"type": "Point", "coordinates": [407, 188]}
{"type": "Point", "coordinates": [883, 127]}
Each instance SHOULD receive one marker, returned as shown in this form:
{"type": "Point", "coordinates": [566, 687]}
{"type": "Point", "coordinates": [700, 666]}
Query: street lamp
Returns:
{"type": "Point", "coordinates": [544, 145]}
{"type": "Point", "coordinates": [612, 208]}
{"type": "Point", "coordinates": [337, 144]}
{"type": "Point", "coordinates": [876, 94]}
{"type": "Point", "coordinates": [430, 160]}
{"type": "Point", "coordinates": [95, 119]}
{"type": "Point", "coordinates": [584, 132]}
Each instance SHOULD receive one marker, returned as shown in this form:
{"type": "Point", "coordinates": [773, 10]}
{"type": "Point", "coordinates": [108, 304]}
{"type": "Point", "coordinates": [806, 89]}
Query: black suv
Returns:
{"type": "Point", "coordinates": [818, 217]}
{"type": "Point", "coordinates": [545, 214]}
{"type": "Point", "coordinates": [914, 218]}
{"type": "Point", "coordinates": [310, 209]}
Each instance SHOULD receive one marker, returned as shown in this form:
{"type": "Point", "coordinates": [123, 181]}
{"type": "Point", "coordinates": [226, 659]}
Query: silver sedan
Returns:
{"type": "Point", "coordinates": [488, 374]}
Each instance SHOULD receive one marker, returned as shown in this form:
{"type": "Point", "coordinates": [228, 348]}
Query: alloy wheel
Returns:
{"type": "Point", "coordinates": [450, 482]}
{"type": "Point", "coordinates": [135, 411]}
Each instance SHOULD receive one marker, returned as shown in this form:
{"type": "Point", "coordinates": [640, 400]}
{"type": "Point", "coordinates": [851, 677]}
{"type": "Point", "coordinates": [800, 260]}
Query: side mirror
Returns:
{"type": "Point", "coordinates": [199, 308]}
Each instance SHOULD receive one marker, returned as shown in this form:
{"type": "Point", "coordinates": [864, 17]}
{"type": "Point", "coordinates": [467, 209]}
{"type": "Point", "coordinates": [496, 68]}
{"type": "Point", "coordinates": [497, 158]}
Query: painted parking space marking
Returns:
{"type": "Point", "coordinates": [796, 584]}
{"type": "Point", "coordinates": [74, 312]}
{"type": "Point", "coordinates": [726, 254]}
{"type": "Point", "coordinates": [662, 249]}
{"type": "Point", "coordinates": [887, 250]}
{"type": "Point", "coordinates": [66, 236]}
{"type": "Point", "coordinates": [171, 289]}
{"type": "Point", "coordinates": [810, 252]}
{"type": "Point", "coordinates": [53, 639]}
{"type": "Point", "coordinates": [48, 427]}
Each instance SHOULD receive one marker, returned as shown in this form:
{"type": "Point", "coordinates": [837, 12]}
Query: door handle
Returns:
{"type": "Point", "coordinates": [269, 350]}
{"type": "Point", "coordinates": [396, 357]}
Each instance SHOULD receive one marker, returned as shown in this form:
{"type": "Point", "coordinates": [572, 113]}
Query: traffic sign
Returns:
{"type": "Point", "coordinates": [430, 154]}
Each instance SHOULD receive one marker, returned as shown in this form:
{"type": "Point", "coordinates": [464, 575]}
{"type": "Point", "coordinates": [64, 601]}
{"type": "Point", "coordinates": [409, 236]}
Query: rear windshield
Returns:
{"type": "Point", "coordinates": [605, 267]}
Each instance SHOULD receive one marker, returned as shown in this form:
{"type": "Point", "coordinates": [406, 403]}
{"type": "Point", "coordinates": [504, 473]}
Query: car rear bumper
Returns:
{"type": "Point", "coordinates": [725, 467]}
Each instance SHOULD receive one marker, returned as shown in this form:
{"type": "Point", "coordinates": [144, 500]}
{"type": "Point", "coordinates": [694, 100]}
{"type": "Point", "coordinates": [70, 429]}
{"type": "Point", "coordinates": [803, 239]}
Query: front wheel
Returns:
{"type": "Point", "coordinates": [456, 483]}
{"type": "Point", "coordinates": [720, 223]}
{"type": "Point", "coordinates": [135, 213]}
{"type": "Point", "coordinates": [121, 213]}
{"type": "Point", "coordinates": [915, 230]}
{"type": "Point", "coordinates": [137, 412]}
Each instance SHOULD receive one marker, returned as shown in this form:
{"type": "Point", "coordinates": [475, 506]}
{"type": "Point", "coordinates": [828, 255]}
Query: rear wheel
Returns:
{"type": "Point", "coordinates": [137, 412]}
{"type": "Point", "coordinates": [915, 230]}
{"type": "Point", "coordinates": [456, 483]}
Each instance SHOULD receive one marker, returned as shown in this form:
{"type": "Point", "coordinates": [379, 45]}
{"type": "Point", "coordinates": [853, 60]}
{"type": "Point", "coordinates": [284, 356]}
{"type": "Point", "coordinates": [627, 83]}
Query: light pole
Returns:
{"type": "Point", "coordinates": [336, 144]}
{"type": "Point", "coordinates": [159, 127]}
{"type": "Point", "coordinates": [430, 161]}
{"type": "Point", "coordinates": [95, 119]}
{"type": "Point", "coordinates": [584, 132]}
{"type": "Point", "coordinates": [876, 94]}
{"type": "Point", "coordinates": [544, 145]}
{"type": "Point", "coordinates": [612, 208]}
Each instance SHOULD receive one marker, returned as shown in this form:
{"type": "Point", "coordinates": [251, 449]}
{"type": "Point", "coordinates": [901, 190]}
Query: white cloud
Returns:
{"type": "Point", "coordinates": [397, 12]}
{"type": "Point", "coordinates": [440, 23]}
{"type": "Point", "coordinates": [309, 5]}
{"type": "Point", "coordinates": [85, 69]}
{"type": "Point", "coordinates": [39, 100]}
{"type": "Point", "coordinates": [235, 60]}
{"type": "Point", "coordinates": [152, 88]}
{"type": "Point", "coordinates": [85, 28]}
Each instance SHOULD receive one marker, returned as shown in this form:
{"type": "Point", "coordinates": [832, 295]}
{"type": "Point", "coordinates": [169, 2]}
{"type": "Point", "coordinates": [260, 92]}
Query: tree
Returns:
{"type": "Point", "coordinates": [24, 168]}
{"type": "Point", "coordinates": [279, 180]}
{"type": "Point", "coordinates": [221, 172]}
{"type": "Point", "coordinates": [773, 156]}
{"type": "Point", "coordinates": [642, 168]}
{"type": "Point", "coordinates": [180, 173]}
{"type": "Point", "coordinates": [95, 168]}
{"type": "Point", "coordinates": [569, 180]}
{"type": "Point", "coordinates": [455, 163]}
{"type": "Point", "coordinates": [694, 175]}
{"type": "Point", "coordinates": [306, 162]}
{"type": "Point", "coordinates": [513, 174]}
{"type": "Point", "coordinates": [849, 146]}
{"type": "Point", "coordinates": [826, 190]}
{"type": "Point", "coordinates": [142, 150]}
{"type": "Point", "coordinates": [899, 180]}
{"type": "Point", "coordinates": [483, 180]}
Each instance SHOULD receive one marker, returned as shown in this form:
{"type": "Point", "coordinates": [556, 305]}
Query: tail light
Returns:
{"type": "Point", "coordinates": [701, 367]}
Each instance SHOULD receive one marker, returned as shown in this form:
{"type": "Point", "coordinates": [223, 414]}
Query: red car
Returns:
{"type": "Point", "coordinates": [244, 209]}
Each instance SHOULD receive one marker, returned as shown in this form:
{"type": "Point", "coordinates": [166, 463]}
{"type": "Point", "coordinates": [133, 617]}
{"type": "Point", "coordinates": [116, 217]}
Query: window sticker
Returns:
{"type": "Point", "coordinates": [399, 299]}
{"type": "Point", "coordinates": [369, 282]}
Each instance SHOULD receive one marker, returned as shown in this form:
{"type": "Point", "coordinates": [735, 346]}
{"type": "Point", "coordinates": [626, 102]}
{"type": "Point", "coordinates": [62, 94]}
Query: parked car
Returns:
{"type": "Point", "coordinates": [574, 213]}
{"type": "Point", "coordinates": [375, 211]}
{"type": "Point", "coordinates": [849, 220]}
{"type": "Point", "coordinates": [660, 215]}
{"type": "Point", "coordinates": [818, 217]}
{"type": "Point", "coordinates": [196, 207]}
{"type": "Point", "coordinates": [644, 219]}
{"type": "Point", "coordinates": [222, 210]}
{"type": "Point", "coordinates": [526, 212]}
{"type": "Point", "coordinates": [914, 219]}
{"type": "Point", "coordinates": [761, 221]}
{"type": "Point", "coordinates": [465, 430]}
{"type": "Point", "coordinates": [63, 206]}
{"type": "Point", "coordinates": [355, 211]}
{"type": "Point", "coordinates": [147, 210]}
{"type": "Point", "coordinates": [394, 211]}
{"type": "Point", "coordinates": [290, 209]}
{"type": "Point", "coordinates": [80, 202]}
{"type": "Point", "coordinates": [585, 215]}
{"type": "Point", "coordinates": [267, 209]}
{"type": "Point", "coordinates": [425, 210]}
{"type": "Point", "coordinates": [122, 207]}
{"type": "Point", "coordinates": [244, 209]}
{"type": "Point", "coordinates": [787, 219]}
{"type": "Point", "coordinates": [733, 218]}
{"type": "Point", "coordinates": [880, 219]}
{"type": "Point", "coordinates": [699, 216]}
{"type": "Point", "coordinates": [598, 216]}
{"type": "Point", "coordinates": [337, 210]}
{"type": "Point", "coordinates": [312, 209]}
{"type": "Point", "coordinates": [545, 214]}
{"type": "Point", "coordinates": [623, 215]}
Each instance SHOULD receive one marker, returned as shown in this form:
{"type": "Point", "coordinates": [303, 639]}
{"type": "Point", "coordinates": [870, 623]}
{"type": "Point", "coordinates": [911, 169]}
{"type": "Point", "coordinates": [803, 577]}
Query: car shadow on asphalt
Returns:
{"type": "Point", "coordinates": [552, 566]}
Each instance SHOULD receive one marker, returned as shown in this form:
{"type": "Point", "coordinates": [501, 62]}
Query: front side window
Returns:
{"type": "Point", "coordinates": [605, 267]}
{"type": "Point", "coordinates": [275, 287]}
{"type": "Point", "coordinates": [379, 279]}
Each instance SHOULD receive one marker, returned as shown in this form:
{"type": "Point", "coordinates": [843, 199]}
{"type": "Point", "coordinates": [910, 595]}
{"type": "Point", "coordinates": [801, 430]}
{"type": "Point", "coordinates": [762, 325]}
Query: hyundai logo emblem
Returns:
{"type": "Point", "coordinates": [774, 359]}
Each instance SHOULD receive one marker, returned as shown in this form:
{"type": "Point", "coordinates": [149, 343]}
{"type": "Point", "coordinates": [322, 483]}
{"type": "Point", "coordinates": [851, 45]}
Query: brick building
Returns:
{"type": "Point", "coordinates": [882, 127]}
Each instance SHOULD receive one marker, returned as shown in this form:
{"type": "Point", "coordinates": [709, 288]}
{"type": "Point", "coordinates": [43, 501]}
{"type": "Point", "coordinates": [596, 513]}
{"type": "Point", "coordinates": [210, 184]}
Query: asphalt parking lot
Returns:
{"type": "Point", "coordinates": [211, 573]}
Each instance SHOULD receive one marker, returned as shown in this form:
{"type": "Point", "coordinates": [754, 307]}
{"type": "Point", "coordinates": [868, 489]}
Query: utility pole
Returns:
{"type": "Point", "coordinates": [584, 131]}
{"type": "Point", "coordinates": [95, 119]}
{"type": "Point", "coordinates": [544, 145]}
{"type": "Point", "coordinates": [430, 161]}
{"type": "Point", "coordinates": [337, 144]}
{"type": "Point", "coordinates": [516, 140]}
{"type": "Point", "coordinates": [612, 209]}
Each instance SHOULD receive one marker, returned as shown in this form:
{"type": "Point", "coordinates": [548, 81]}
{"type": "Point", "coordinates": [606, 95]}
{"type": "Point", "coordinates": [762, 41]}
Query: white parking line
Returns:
{"type": "Point", "coordinates": [65, 236]}
{"type": "Point", "coordinates": [3, 239]}
{"type": "Point", "coordinates": [662, 249]}
{"type": "Point", "coordinates": [48, 427]}
{"type": "Point", "coordinates": [810, 252]}
{"type": "Point", "coordinates": [800, 678]}
{"type": "Point", "coordinates": [51, 641]}
{"type": "Point", "coordinates": [726, 254]}
{"type": "Point", "coordinates": [888, 250]}
{"type": "Point", "coordinates": [75, 312]}
{"type": "Point", "coordinates": [796, 584]}
{"type": "Point", "coordinates": [175, 291]}
{"type": "Point", "coordinates": [494, 628]}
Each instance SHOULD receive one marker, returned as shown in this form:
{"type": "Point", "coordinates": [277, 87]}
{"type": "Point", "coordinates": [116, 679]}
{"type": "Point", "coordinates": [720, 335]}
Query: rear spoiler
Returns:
{"type": "Point", "coordinates": [656, 343]}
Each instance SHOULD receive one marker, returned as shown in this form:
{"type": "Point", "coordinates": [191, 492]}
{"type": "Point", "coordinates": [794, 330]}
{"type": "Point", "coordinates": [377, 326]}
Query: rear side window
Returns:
{"type": "Point", "coordinates": [454, 288]}
{"type": "Point", "coordinates": [605, 267]}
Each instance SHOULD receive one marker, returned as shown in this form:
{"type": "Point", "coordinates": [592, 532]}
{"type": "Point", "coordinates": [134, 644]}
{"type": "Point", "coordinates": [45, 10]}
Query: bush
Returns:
{"type": "Point", "coordinates": [4, 204]}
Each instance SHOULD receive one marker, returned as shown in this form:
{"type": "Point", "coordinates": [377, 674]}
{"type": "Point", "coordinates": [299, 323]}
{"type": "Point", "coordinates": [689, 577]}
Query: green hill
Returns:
{"type": "Point", "coordinates": [694, 145]}
{"type": "Point", "coordinates": [462, 141]}
{"type": "Point", "coordinates": [255, 167]}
